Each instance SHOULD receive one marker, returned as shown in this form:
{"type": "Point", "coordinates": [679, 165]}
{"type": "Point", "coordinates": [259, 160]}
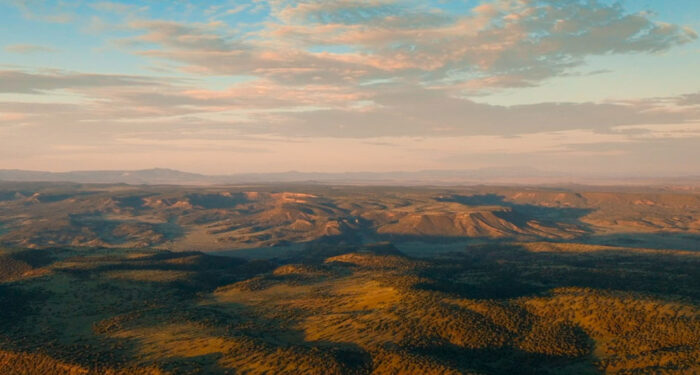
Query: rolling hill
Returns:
{"type": "Point", "coordinates": [295, 279]}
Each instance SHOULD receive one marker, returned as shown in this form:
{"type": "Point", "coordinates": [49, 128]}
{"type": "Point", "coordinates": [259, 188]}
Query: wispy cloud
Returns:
{"type": "Point", "coordinates": [16, 81]}
{"type": "Point", "coordinates": [47, 11]}
{"type": "Point", "coordinates": [28, 49]}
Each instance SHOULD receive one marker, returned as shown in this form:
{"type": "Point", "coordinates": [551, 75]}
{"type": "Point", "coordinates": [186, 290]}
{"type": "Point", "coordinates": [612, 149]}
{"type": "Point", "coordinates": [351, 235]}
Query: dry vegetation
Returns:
{"type": "Point", "coordinates": [521, 306]}
{"type": "Point", "coordinates": [35, 215]}
{"type": "Point", "coordinates": [490, 309]}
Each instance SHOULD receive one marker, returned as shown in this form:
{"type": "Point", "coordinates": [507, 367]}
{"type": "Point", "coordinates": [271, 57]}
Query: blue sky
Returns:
{"type": "Point", "coordinates": [592, 87]}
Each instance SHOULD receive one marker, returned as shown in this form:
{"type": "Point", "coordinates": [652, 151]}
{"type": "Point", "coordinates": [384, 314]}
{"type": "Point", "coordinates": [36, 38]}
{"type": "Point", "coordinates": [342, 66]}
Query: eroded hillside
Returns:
{"type": "Point", "coordinates": [225, 218]}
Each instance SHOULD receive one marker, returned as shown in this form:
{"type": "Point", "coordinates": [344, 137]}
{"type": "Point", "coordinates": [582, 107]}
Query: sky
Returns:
{"type": "Point", "coordinates": [587, 87]}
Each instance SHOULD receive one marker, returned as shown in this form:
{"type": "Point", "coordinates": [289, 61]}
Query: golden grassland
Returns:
{"type": "Point", "coordinates": [13, 363]}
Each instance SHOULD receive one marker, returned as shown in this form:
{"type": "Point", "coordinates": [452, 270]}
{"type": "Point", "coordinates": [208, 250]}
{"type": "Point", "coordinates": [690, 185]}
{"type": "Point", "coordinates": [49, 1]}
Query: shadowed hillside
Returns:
{"type": "Point", "coordinates": [465, 282]}
{"type": "Point", "coordinates": [489, 309]}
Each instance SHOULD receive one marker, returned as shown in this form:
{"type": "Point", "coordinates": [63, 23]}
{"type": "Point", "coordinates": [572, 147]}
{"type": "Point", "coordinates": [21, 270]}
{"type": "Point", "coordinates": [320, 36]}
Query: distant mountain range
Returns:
{"type": "Point", "coordinates": [156, 176]}
{"type": "Point", "coordinates": [164, 176]}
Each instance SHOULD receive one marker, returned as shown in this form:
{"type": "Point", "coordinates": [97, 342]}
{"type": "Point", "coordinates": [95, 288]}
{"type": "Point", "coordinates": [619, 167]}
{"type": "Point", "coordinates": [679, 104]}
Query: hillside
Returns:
{"type": "Point", "coordinates": [118, 279]}
{"type": "Point", "coordinates": [35, 215]}
{"type": "Point", "coordinates": [536, 308]}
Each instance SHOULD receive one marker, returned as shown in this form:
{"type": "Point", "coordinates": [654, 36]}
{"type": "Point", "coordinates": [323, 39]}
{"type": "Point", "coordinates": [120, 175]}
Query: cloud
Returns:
{"type": "Point", "coordinates": [26, 49]}
{"type": "Point", "coordinates": [266, 106]}
{"type": "Point", "coordinates": [689, 99]}
{"type": "Point", "coordinates": [16, 81]}
{"type": "Point", "coordinates": [117, 98]}
{"type": "Point", "coordinates": [118, 8]}
{"type": "Point", "coordinates": [662, 131]}
{"type": "Point", "coordinates": [237, 9]}
{"type": "Point", "coordinates": [61, 12]}
{"type": "Point", "coordinates": [505, 43]}
{"type": "Point", "coordinates": [426, 112]}
{"type": "Point", "coordinates": [336, 12]}
{"type": "Point", "coordinates": [191, 144]}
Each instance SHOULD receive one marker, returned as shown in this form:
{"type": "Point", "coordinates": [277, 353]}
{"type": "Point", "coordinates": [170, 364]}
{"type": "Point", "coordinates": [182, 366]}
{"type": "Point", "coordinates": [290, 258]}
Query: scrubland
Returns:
{"type": "Point", "coordinates": [527, 289]}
